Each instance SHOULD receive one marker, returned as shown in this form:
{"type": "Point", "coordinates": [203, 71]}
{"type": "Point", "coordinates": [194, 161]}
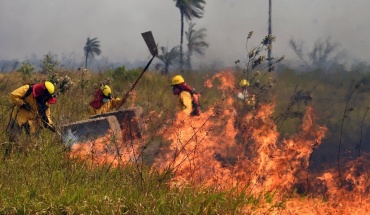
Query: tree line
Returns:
{"type": "Point", "coordinates": [169, 56]}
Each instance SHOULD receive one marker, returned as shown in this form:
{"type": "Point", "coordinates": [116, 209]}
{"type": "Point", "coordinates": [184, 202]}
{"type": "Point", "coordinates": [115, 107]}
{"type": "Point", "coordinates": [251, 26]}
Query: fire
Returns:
{"type": "Point", "coordinates": [210, 151]}
{"type": "Point", "coordinates": [225, 148]}
{"type": "Point", "coordinates": [282, 165]}
{"type": "Point", "coordinates": [107, 150]}
{"type": "Point", "coordinates": [193, 144]}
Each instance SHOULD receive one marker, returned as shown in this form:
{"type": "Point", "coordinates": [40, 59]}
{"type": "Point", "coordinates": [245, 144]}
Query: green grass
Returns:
{"type": "Point", "coordinates": [42, 179]}
{"type": "Point", "coordinates": [46, 181]}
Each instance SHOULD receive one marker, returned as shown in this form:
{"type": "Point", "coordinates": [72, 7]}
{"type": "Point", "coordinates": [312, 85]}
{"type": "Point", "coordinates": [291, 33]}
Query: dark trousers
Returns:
{"type": "Point", "coordinates": [18, 137]}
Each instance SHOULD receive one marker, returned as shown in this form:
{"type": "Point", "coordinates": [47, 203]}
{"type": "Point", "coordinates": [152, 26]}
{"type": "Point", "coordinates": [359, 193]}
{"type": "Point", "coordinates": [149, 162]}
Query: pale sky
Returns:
{"type": "Point", "coordinates": [62, 26]}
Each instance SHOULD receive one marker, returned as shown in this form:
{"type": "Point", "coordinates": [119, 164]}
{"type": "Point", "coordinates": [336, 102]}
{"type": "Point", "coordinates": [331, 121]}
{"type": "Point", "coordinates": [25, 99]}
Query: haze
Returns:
{"type": "Point", "coordinates": [62, 27]}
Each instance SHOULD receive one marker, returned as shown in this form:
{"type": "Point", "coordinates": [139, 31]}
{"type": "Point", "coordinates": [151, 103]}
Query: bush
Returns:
{"type": "Point", "coordinates": [121, 73]}
{"type": "Point", "coordinates": [26, 69]}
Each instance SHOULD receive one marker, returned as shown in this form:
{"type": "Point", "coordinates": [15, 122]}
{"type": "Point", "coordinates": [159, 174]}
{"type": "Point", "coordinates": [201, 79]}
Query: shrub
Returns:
{"type": "Point", "coordinates": [26, 69]}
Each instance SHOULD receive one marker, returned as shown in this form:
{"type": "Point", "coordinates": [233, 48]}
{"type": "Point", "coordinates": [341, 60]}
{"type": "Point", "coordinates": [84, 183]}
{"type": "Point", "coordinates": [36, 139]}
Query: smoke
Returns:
{"type": "Point", "coordinates": [40, 27]}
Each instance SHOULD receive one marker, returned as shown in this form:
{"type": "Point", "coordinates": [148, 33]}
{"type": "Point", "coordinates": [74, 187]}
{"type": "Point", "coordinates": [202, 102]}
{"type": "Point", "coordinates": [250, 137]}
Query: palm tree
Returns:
{"type": "Point", "coordinates": [167, 59]}
{"type": "Point", "coordinates": [269, 34]}
{"type": "Point", "coordinates": [91, 49]}
{"type": "Point", "coordinates": [188, 9]}
{"type": "Point", "coordinates": [196, 42]}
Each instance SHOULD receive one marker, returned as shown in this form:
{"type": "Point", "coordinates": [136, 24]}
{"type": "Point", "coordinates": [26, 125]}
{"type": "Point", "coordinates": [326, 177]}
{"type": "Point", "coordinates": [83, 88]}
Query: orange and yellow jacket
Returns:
{"type": "Point", "coordinates": [22, 116]}
{"type": "Point", "coordinates": [184, 102]}
{"type": "Point", "coordinates": [111, 105]}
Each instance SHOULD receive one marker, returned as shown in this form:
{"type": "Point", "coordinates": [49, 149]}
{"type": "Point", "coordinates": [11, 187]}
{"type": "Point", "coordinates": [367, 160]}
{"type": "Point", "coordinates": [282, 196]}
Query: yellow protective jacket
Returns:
{"type": "Point", "coordinates": [184, 102]}
{"type": "Point", "coordinates": [21, 116]}
{"type": "Point", "coordinates": [111, 105]}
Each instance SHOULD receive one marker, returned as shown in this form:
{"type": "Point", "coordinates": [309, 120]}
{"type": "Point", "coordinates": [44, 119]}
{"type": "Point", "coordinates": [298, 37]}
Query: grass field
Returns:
{"type": "Point", "coordinates": [258, 171]}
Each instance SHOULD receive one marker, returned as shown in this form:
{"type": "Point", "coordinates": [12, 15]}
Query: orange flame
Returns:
{"type": "Point", "coordinates": [224, 148]}
{"type": "Point", "coordinates": [106, 150]}
{"type": "Point", "coordinates": [209, 150]}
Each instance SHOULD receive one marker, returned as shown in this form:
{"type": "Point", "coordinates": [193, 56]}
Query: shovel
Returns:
{"type": "Point", "coordinates": [149, 40]}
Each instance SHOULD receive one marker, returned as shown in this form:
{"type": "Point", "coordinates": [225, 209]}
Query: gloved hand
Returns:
{"type": "Point", "coordinates": [26, 106]}
{"type": "Point", "coordinates": [52, 128]}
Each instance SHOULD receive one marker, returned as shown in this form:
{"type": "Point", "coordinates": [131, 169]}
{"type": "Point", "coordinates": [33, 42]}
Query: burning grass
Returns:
{"type": "Point", "coordinates": [210, 151]}
{"type": "Point", "coordinates": [107, 150]}
{"type": "Point", "coordinates": [227, 160]}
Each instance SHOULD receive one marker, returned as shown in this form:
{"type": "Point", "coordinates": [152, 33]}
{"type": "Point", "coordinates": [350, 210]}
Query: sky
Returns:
{"type": "Point", "coordinates": [61, 27]}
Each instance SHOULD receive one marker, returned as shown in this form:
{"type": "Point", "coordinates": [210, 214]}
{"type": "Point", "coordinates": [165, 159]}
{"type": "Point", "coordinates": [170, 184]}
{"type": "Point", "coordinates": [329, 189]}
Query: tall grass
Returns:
{"type": "Point", "coordinates": [41, 178]}
{"type": "Point", "coordinates": [47, 181]}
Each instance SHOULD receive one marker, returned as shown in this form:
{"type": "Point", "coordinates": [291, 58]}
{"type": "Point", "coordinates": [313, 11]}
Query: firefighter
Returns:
{"type": "Point", "coordinates": [188, 99]}
{"type": "Point", "coordinates": [31, 107]}
{"type": "Point", "coordinates": [103, 101]}
{"type": "Point", "coordinates": [31, 110]}
{"type": "Point", "coordinates": [245, 95]}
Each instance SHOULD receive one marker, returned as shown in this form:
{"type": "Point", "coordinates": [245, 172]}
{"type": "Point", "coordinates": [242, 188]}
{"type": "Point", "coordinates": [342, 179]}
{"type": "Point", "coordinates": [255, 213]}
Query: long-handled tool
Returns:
{"type": "Point", "coordinates": [149, 40]}
{"type": "Point", "coordinates": [48, 124]}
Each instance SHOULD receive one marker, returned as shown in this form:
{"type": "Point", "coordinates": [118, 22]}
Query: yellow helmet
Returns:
{"type": "Point", "coordinates": [244, 83]}
{"type": "Point", "coordinates": [106, 90]}
{"type": "Point", "coordinates": [178, 79]}
{"type": "Point", "coordinates": [50, 87]}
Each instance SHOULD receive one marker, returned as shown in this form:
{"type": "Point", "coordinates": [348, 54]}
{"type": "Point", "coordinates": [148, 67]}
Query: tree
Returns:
{"type": "Point", "coordinates": [188, 9]}
{"type": "Point", "coordinates": [196, 42]}
{"type": "Point", "coordinates": [91, 49]}
{"type": "Point", "coordinates": [10, 65]}
{"type": "Point", "coordinates": [26, 69]}
{"type": "Point", "coordinates": [49, 63]}
{"type": "Point", "coordinates": [270, 34]}
{"type": "Point", "coordinates": [167, 59]}
{"type": "Point", "coordinates": [323, 53]}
